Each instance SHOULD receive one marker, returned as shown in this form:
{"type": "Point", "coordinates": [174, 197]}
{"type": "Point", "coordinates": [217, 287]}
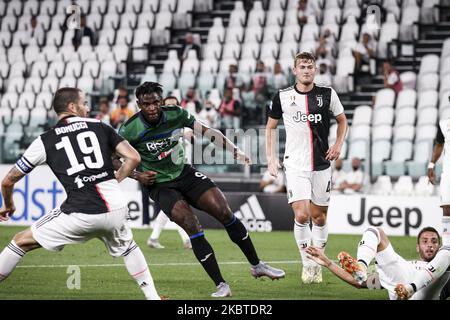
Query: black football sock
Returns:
{"type": "Point", "coordinates": [205, 255]}
{"type": "Point", "coordinates": [239, 235]}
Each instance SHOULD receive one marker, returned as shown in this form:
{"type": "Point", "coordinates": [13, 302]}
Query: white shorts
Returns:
{"type": "Point", "coordinates": [309, 185]}
{"type": "Point", "coordinates": [393, 269]}
{"type": "Point", "coordinates": [444, 187]}
{"type": "Point", "coordinates": [56, 229]}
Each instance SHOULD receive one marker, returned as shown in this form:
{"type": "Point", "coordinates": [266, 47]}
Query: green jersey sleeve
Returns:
{"type": "Point", "coordinates": [187, 119]}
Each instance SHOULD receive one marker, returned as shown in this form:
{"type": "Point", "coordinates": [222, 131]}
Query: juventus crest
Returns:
{"type": "Point", "coordinates": [319, 101]}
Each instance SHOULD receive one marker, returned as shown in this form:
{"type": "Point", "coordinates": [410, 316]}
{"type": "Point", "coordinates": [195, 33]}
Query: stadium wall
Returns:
{"type": "Point", "coordinates": [39, 192]}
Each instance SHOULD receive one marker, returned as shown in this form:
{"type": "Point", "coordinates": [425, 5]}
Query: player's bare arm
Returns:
{"type": "Point", "coordinates": [223, 141]}
{"type": "Point", "coordinates": [8, 208]}
{"type": "Point", "coordinates": [334, 151]}
{"type": "Point", "coordinates": [272, 158]}
{"type": "Point", "coordinates": [147, 178]}
{"type": "Point", "coordinates": [131, 160]}
{"type": "Point", "coordinates": [318, 256]}
{"type": "Point", "coordinates": [437, 151]}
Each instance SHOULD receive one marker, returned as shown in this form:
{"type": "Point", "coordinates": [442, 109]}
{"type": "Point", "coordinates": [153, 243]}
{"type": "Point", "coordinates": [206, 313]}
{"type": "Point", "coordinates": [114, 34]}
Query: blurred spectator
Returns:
{"type": "Point", "coordinates": [190, 45]}
{"type": "Point", "coordinates": [323, 78]}
{"type": "Point", "coordinates": [84, 31]}
{"type": "Point", "coordinates": [279, 78]}
{"type": "Point", "coordinates": [171, 101]}
{"type": "Point", "coordinates": [121, 113]}
{"type": "Point", "coordinates": [230, 110]}
{"type": "Point", "coordinates": [363, 52]}
{"type": "Point", "coordinates": [326, 43]}
{"type": "Point", "coordinates": [190, 102]}
{"type": "Point", "coordinates": [303, 12]}
{"type": "Point", "coordinates": [259, 86]}
{"type": "Point", "coordinates": [270, 184]}
{"type": "Point", "coordinates": [103, 114]}
{"type": "Point", "coordinates": [233, 79]}
{"type": "Point", "coordinates": [209, 115]}
{"type": "Point", "coordinates": [338, 176]}
{"type": "Point", "coordinates": [392, 77]}
{"type": "Point", "coordinates": [354, 179]}
{"type": "Point", "coordinates": [36, 32]}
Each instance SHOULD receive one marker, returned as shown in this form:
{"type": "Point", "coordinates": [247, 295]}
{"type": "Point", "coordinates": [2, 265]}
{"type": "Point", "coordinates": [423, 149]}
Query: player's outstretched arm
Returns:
{"type": "Point", "coordinates": [272, 157]}
{"type": "Point", "coordinates": [318, 256]}
{"type": "Point", "coordinates": [221, 140]}
{"type": "Point", "coordinates": [437, 151]}
{"type": "Point", "coordinates": [8, 208]}
{"type": "Point", "coordinates": [131, 160]}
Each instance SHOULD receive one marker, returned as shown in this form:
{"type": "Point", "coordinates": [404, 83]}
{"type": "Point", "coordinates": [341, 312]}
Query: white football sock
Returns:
{"type": "Point", "coordinates": [433, 270]}
{"type": "Point", "coordinates": [302, 234]}
{"type": "Point", "coordinates": [9, 259]}
{"type": "Point", "coordinates": [446, 231]}
{"type": "Point", "coordinates": [137, 267]}
{"type": "Point", "coordinates": [158, 225]}
{"type": "Point", "coordinates": [367, 247]}
{"type": "Point", "coordinates": [184, 236]}
{"type": "Point", "coordinates": [320, 236]}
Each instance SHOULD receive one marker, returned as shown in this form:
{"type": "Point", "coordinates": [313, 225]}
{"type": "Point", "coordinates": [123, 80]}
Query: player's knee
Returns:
{"type": "Point", "coordinates": [223, 213]}
{"type": "Point", "coordinates": [302, 217]}
{"type": "Point", "coordinates": [23, 241]}
{"type": "Point", "coordinates": [320, 220]}
{"type": "Point", "coordinates": [384, 240]}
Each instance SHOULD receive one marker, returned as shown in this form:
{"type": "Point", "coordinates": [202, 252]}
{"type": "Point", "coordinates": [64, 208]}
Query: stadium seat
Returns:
{"type": "Point", "coordinates": [403, 187]}
{"type": "Point", "coordinates": [429, 64]}
{"type": "Point", "coordinates": [216, 33]}
{"type": "Point", "coordinates": [405, 116]}
{"type": "Point", "coordinates": [15, 54]}
{"type": "Point", "coordinates": [209, 65]}
{"type": "Point", "coordinates": [48, 7]}
{"type": "Point", "coordinates": [44, 100]}
{"type": "Point", "coordinates": [231, 51]}
{"type": "Point", "coordinates": [128, 21]}
{"type": "Point", "coordinates": [383, 116]}
{"type": "Point", "coordinates": [238, 15]}
{"type": "Point", "coordinates": [250, 50]}
{"type": "Point", "coordinates": [350, 29]}
{"type": "Point", "coordinates": [275, 18]}
{"type": "Point", "coordinates": [68, 81]}
{"type": "Point", "coordinates": [191, 64]}
{"type": "Point", "coordinates": [74, 69]}
{"type": "Point", "coordinates": [358, 148]}
{"type": "Point", "coordinates": [277, 5]}
{"type": "Point", "coordinates": [247, 66]}
{"type": "Point", "coordinates": [422, 153]}
{"type": "Point", "coordinates": [426, 132]}
{"type": "Point", "coordinates": [444, 114]}
{"type": "Point", "coordinates": [401, 152]}
{"type": "Point", "coordinates": [16, 84]}
{"type": "Point", "coordinates": [108, 68]}
{"type": "Point", "coordinates": [186, 81]}
{"type": "Point", "coordinates": [288, 50]}
{"type": "Point", "coordinates": [205, 82]}
{"type": "Point", "coordinates": [57, 69]}
{"type": "Point", "coordinates": [445, 85]}
{"type": "Point", "coordinates": [225, 64]}
{"type": "Point", "coordinates": [39, 69]}
{"type": "Point", "coordinates": [168, 81]}
{"type": "Point", "coordinates": [116, 6]}
{"type": "Point", "coordinates": [382, 132]}
{"type": "Point", "coordinates": [381, 150]}
{"type": "Point", "coordinates": [32, 53]}
{"type": "Point", "coordinates": [427, 99]}
{"type": "Point", "coordinates": [406, 99]}
{"type": "Point", "coordinates": [172, 64]}
{"type": "Point", "coordinates": [405, 132]}
{"type": "Point", "coordinates": [310, 32]}
{"type": "Point", "coordinates": [17, 69]}
{"type": "Point", "coordinates": [9, 100]}
{"type": "Point", "coordinates": [427, 116]}
{"type": "Point", "coordinates": [124, 36]}
{"type": "Point", "coordinates": [382, 186]}
{"type": "Point", "coordinates": [408, 29]}
{"type": "Point", "coordinates": [257, 15]}
{"type": "Point", "coordinates": [269, 51]}
{"type": "Point", "coordinates": [359, 132]}
{"type": "Point", "coordinates": [26, 101]}
{"type": "Point", "coordinates": [253, 34]}
{"type": "Point", "coordinates": [86, 84]}
{"type": "Point", "coordinates": [120, 52]}
{"type": "Point", "coordinates": [163, 20]}
{"type": "Point", "coordinates": [408, 79]}
{"type": "Point", "coordinates": [33, 84]}
{"type": "Point", "coordinates": [384, 98]}
{"type": "Point", "coordinates": [423, 188]}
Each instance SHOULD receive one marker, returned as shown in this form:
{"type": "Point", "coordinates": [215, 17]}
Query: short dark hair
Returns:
{"type": "Point", "coordinates": [148, 88]}
{"type": "Point", "coordinates": [305, 55]}
{"type": "Point", "coordinates": [63, 97]}
{"type": "Point", "coordinates": [171, 97]}
{"type": "Point", "coordinates": [428, 229]}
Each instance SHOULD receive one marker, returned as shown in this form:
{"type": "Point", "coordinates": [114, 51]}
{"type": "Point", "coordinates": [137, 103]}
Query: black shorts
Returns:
{"type": "Point", "coordinates": [189, 186]}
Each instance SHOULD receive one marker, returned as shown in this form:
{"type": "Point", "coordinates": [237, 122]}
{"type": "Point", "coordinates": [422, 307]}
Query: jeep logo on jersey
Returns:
{"type": "Point", "coordinates": [319, 101]}
{"type": "Point", "coordinates": [303, 117]}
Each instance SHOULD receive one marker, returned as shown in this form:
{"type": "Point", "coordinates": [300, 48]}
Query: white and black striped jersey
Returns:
{"type": "Point", "coordinates": [78, 151]}
{"type": "Point", "coordinates": [306, 117]}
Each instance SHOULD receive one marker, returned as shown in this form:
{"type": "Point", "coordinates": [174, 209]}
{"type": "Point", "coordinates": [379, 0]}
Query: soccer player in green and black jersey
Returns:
{"type": "Point", "coordinates": [155, 132]}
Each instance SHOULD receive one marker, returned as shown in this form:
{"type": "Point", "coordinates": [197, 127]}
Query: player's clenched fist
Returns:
{"type": "Point", "coordinates": [147, 177]}
{"type": "Point", "coordinates": [5, 213]}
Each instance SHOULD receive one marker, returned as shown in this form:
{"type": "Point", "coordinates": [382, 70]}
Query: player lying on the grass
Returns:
{"type": "Point", "coordinates": [391, 268]}
{"type": "Point", "coordinates": [78, 150]}
{"type": "Point", "coordinates": [155, 132]}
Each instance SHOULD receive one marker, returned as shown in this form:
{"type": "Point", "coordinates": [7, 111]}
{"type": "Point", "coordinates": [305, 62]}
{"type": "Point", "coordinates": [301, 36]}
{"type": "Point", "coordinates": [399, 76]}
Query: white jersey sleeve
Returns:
{"type": "Point", "coordinates": [35, 155]}
{"type": "Point", "coordinates": [335, 104]}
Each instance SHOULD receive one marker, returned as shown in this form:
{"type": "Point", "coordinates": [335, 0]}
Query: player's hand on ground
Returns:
{"type": "Point", "coordinates": [431, 176]}
{"type": "Point", "coordinates": [318, 256]}
{"type": "Point", "coordinates": [274, 165]}
{"type": "Point", "coordinates": [241, 156]}
{"type": "Point", "coordinates": [5, 212]}
{"type": "Point", "coordinates": [403, 291]}
{"type": "Point", "coordinates": [147, 177]}
{"type": "Point", "coordinates": [333, 152]}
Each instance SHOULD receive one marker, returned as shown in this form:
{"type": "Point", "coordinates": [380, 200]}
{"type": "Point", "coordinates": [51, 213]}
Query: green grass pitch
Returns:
{"type": "Point", "coordinates": [176, 272]}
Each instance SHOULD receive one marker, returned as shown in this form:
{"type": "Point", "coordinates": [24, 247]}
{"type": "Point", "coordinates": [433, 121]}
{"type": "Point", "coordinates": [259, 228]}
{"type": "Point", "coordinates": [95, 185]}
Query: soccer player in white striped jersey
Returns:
{"type": "Point", "coordinates": [306, 110]}
{"type": "Point", "coordinates": [421, 279]}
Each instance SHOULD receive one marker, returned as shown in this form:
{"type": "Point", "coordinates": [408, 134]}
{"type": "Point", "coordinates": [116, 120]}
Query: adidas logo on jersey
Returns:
{"type": "Point", "coordinates": [303, 117]}
{"type": "Point", "coordinates": [252, 216]}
